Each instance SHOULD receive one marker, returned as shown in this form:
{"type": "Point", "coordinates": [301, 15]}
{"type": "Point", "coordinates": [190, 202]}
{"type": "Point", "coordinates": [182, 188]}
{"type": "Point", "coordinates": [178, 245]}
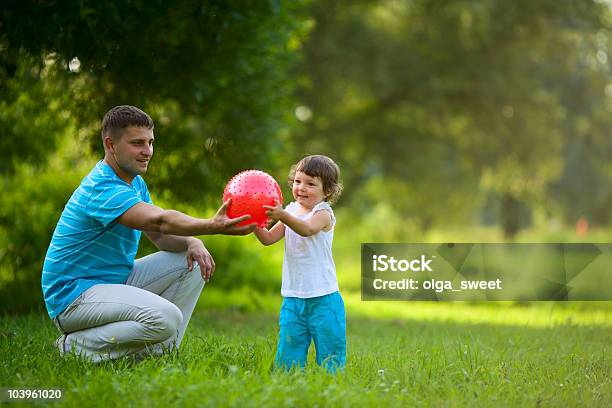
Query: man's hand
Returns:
{"type": "Point", "coordinates": [198, 253]}
{"type": "Point", "coordinates": [274, 212]}
{"type": "Point", "coordinates": [228, 226]}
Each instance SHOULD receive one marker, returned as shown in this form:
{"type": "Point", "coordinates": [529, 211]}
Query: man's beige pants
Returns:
{"type": "Point", "coordinates": [149, 314]}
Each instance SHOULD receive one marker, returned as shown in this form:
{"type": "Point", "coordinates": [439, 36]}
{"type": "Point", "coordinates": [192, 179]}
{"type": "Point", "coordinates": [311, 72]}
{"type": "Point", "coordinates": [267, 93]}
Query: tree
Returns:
{"type": "Point", "coordinates": [213, 75]}
{"type": "Point", "coordinates": [450, 99]}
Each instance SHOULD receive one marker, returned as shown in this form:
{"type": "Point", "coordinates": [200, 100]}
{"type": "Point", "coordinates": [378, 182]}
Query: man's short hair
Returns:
{"type": "Point", "coordinates": [123, 116]}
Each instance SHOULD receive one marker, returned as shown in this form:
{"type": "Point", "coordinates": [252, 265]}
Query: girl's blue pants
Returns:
{"type": "Point", "coordinates": [322, 320]}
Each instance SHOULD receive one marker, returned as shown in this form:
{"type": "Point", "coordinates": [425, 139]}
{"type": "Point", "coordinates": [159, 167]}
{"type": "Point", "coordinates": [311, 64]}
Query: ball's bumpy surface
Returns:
{"type": "Point", "coordinates": [250, 190]}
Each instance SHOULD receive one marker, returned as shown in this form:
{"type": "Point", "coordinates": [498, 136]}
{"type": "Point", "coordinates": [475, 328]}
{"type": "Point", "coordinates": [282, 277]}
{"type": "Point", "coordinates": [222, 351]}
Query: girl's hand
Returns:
{"type": "Point", "coordinates": [275, 212]}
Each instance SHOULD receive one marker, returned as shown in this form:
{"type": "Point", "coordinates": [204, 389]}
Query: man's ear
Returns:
{"type": "Point", "coordinates": [108, 143]}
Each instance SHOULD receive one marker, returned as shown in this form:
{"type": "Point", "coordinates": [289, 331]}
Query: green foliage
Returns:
{"type": "Point", "coordinates": [439, 114]}
{"type": "Point", "coordinates": [31, 204]}
{"type": "Point", "coordinates": [240, 262]}
{"type": "Point", "coordinates": [245, 262]}
{"type": "Point", "coordinates": [35, 109]}
{"type": "Point", "coordinates": [214, 75]}
{"type": "Point", "coordinates": [461, 99]}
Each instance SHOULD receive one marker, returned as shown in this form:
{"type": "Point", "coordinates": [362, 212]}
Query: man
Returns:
{"type": "Point", "coordinates": [105, 303]}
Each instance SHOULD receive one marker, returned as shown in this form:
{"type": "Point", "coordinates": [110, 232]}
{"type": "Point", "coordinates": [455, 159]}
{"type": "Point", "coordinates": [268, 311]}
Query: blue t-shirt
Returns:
{"type": "Point", "coordinates": [89, 246]}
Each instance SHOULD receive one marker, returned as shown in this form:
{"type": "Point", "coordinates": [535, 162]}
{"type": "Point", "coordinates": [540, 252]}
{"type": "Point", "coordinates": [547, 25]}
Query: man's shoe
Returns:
{"type": "Point", "coordinates": [60, 343]}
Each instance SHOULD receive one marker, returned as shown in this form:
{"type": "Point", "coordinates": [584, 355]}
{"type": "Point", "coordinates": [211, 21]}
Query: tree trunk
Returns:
{"type": "Point", "coordinates": [510, 216]}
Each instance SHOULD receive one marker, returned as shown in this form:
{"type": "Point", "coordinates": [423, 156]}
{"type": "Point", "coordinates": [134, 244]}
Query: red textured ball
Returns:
{"type": "Point", "coordinates": [249, 191]}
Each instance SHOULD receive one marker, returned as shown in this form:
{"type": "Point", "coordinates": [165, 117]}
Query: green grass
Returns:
{"type": "Point", "coordinates": [400, 353]}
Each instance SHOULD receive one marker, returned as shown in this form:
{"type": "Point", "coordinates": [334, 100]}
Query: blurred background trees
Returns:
{"type": "Point", "coordinates": [442, 115]}
{"type": "Point", "coordinates": [466, 105]}
{"type": "Point", "coordinates": [212, 74]}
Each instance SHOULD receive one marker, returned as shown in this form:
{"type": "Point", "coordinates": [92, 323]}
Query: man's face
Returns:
{"type": "Point", "coordinates": [133, 150]}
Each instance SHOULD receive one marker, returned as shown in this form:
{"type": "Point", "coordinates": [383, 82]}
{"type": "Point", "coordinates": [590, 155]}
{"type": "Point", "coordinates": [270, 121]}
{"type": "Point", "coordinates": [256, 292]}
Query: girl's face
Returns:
{"type": "Point", "coordinates": [307, 191]}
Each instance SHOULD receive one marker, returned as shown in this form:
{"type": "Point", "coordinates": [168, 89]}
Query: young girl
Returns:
{"type": "Point", "coordinates": [312, 306]}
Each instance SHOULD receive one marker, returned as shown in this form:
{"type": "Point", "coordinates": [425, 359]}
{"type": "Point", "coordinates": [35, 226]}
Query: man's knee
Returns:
{"type": "Point", "coordinates": [177, 259]}
{"type": "Point", "coordinates": [192, 277]}
{"type": "Point", "coordinates": [166, 321]}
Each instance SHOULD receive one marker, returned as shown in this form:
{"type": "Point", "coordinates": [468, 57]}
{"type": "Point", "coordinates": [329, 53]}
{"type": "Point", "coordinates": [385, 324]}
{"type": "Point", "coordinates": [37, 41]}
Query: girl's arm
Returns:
{"type": "Point", "coordinates": [270, 236]}
{"type": "Point", "coordinates": [321, 220]}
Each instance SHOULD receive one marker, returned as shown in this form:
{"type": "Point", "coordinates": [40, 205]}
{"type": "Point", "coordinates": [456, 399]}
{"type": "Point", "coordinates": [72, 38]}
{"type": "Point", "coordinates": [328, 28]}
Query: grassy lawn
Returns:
{"type": "Point", "coordinates": [420, 353]}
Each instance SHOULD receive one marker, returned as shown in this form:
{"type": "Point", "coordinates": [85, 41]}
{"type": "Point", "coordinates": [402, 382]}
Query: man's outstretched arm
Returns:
{"type": "Point", "coordinates": [172, 230]}
{"type": "Point", "coordinates": [147, 217]}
